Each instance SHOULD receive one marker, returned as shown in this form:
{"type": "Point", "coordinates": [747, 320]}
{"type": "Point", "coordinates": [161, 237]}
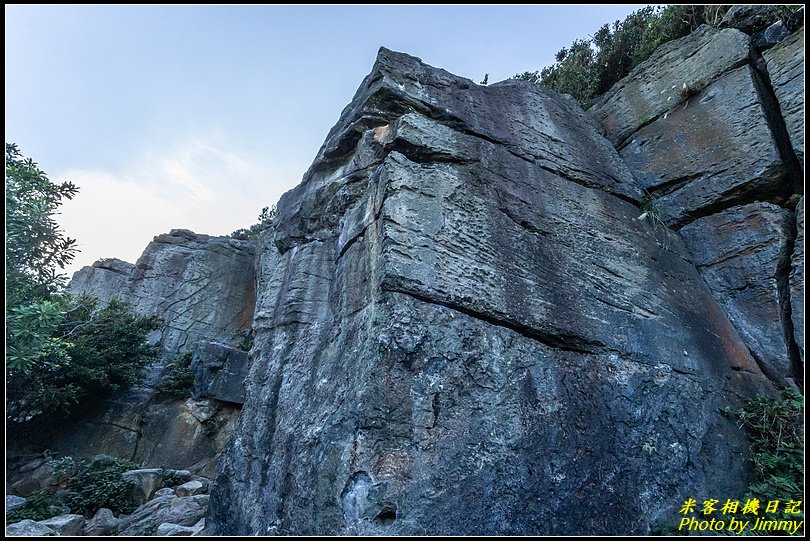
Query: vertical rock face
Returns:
{"type": "Point", "coordinates": [743, 253]}
{"type": "Point", "coordinates": [463, 328]}
{"type": "Point", "coordinates": [717, 151]}
{"type": "Point", "coordinates": [106, 279]}
{"type": "Point", "coordinates": [202, 287]}
{"type": "Point", "coordinates": [694, 125]}
{"type": "Point", "coordinates": [797, 281]}
{"type": "Point", "coordinates": [785, 64]}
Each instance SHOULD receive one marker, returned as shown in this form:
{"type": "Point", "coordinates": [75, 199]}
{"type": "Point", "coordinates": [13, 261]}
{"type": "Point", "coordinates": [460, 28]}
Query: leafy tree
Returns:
{"type": "Point", "coordinates": [59, 350]}
{"type": "Point", "coordinates": [35, 246]}
{"type": "Point", "coordinates": [92, 353]}
{"type": "Point", "coordinates": [265, 222]}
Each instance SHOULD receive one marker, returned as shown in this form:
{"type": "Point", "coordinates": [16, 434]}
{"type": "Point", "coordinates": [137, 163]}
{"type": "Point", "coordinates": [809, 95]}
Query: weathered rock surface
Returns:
{"type": "Point", "coordinates": [14, 502]}
{"type": "Point", "coordinates": [785, 64]}
{"type": "Point", "coordinates": [202, 287]}
{"type": "Point", "coordinates": [192, 488]}
{"type": "Point", "coordinates": [65, 524]}
{"type": "Point", "coordinates": [796, 282]}
{"type": "Point", "coordinates": [743, 253]}
{"type": "Point", "coordinates": [106, 279]}
{"type": "Point", "coordinates": [698, 127]}
{"type": "Point", "coordinates": [171, 530]}
{"type": "Point", "coordinates": [663, 81]}
{"type": "Point", "coordinates": [28, 528]}
{"type": "Point", "coordinates": [219, 372]}
{"type": "Point", "coordinates": [462, 329]}
{"type": "Point", "coordinates": [102, 523]}
{"type": "Point", "coordinates": [166, 509]}
{"type": "Point", "coordinates": [749, 18]}
{"type": "Point", "coordinates": [144, 482]}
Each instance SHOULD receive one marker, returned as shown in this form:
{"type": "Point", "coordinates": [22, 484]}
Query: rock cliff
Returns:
{"type": "Point", "coordinates": [486, 311]}
{"type": "Point", "coordinates": [463, 327]}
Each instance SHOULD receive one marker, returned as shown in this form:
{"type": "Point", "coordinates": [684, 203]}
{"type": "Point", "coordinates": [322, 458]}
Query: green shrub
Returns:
{"type": "Point", "coordinates": [776, 429]}
{"type": "Point", "coordinates": [589, 67]}
{"type": "Point", "coordinates": [99, 484]}
{"type": "Point", "coordinates": [90, 354]}
{"type": "Point", "coordinates": [36, 508]}
{"type": "Point", "coordinates": [265, 222]}
{"type": "Point", "coordinates": [179, 382]}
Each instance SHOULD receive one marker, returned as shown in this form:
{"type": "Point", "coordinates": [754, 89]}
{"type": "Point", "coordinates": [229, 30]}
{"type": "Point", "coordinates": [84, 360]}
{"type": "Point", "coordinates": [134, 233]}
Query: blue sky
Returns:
{"type": "Point", "coordinates": [197, 117]}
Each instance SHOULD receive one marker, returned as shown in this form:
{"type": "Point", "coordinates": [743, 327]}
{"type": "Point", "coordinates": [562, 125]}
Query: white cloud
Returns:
{"type": "Point", "coordinates": [195, 185]}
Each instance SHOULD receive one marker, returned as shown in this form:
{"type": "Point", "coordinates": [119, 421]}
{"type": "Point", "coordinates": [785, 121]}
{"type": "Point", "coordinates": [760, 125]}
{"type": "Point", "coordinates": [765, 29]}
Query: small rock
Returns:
{"type": "Point", "coordinates": [176, 477]}
{"type": "Point", "coordinates": [191, 488]}
{"type": "Point", "coordinates": [175, 529]}
{"type": "Point", "coordinates": [102, 523]}
{"type": "Point", "coordinates": [164, 492]}
{"type": "Point", "coordinates": [29, 528]}
{"type": "Point", "coordinates": [65, 524]}
{"type": "Point", "coordinates": [14, 502]}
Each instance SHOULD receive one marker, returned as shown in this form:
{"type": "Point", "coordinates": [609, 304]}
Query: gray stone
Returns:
{"type": "Point", "coordinates": [454, 338]}
{"type": "Point", "coordinates": [145, 482]}
{"type": "Point", "coordinates": [28, 528]}
{"type": "Point", "coordinates": [712, 150]}
{"type": "Point", "coordinates": [660, 83]}
{"type": "Point", "coordinates": [750, 18]}
{"type": "Point", "coordinates": [785, 64]}
{"type": "Point", "coordinates": [14, 502]}
{"type": "Point", "coordinates": [192, 488]}
{"type": "Point", "coordinates": [796, 282]}
{"type": "Point", "coordinates": [176, 477]}
{"type": "Point", "coordinates": [165, 509]}
{"type": "Point", "coordinates": [168, 529]}
{"type": "Point", "coordinates": [770, 36]}
{"type": "Point", "coordinates": [200, 286]}
{"type": "Point", "coordinates": [65, 524]}
{"type": "Point", "coordinates": [166, 491]}
{"type": "Point", "coordinates": [106, 279]}
{"type": "Point", "coordinates": [743, 253]}
{"type": "Point", "coordinates": [219, 372]}
{"type": "Point", "coordinates": [102, 523]}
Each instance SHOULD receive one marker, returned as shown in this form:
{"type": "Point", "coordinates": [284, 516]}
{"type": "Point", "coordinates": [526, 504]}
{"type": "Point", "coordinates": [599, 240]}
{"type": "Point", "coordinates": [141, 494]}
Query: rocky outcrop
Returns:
{"type": "Point", "coordinates": [106, 279]}
{"type": "Point", "coordinates": [743, 254]}
{"type": "Point", "coordinates": [201, 287]}
{"type": "Point", "coordinates": [695, 126]}
{"type": "Point", "coordinates": [28, 528]}
{"type": "Point", "coordinates": [220, 372]}
{"type": "Point", "coordinates": [463, 328]}
{"type": "Point", "coordinates": [785, 64]}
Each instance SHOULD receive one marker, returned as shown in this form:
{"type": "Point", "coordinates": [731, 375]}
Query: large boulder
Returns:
{"type": "Point", "coordinates": [200, 286]}
{"type": "Point", "coordinates": [166, 509]}
{"type": "Point", "coordinates": [103, 522]}
{"type": "Point", "coordinates": [106, 279]}
{"type": "Point", "coordinates": [28, 528]}
{"type": "Point", "coordinates": [71, 524]}
{"type": "Point", "coordinates": [744, 255]}
{"type": "Point", "coordinates": [462, 328]}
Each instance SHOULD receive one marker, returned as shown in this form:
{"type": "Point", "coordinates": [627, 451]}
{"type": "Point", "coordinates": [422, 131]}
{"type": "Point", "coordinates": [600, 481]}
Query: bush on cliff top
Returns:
{"type": "Point", "coordinates": [589, 67]}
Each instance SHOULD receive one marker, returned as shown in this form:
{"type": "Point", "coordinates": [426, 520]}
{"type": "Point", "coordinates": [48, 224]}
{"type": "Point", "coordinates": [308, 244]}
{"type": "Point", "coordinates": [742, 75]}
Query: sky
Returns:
{"type": "Point", "coordinates": [196, 117]}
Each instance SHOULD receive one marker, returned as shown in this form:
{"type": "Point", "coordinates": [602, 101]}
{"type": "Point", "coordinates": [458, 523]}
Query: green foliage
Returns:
{"type": "Point", "coordinates": [776, 429]}
{"type": "Point", "coordinates": [35, 246]}
{"type": "Point", "coordinates": [87, 354]}
{"type": "Point", "coordinates": [589, 67]}
{"type": "Point", "coordinates": [99, 484]}
{"type": "Point", "coordinates": [179, 382]}
{"type": "Point", "coordinates": [485, 80]}
{"type": "Point", "coordinates": [36, 508]}
{"type": "Point", "coordinates": [265, 222]}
